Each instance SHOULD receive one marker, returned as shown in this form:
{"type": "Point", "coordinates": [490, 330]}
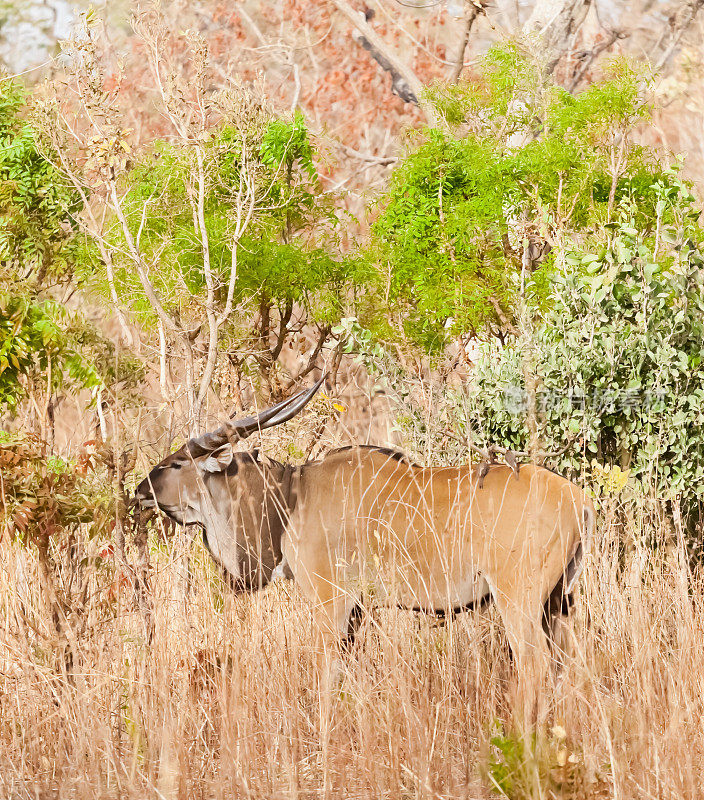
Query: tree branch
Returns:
{"type": "Point", "coordinates": [475, 11]}
{"type": "Point", "coordinates": [209, 282]}
{"type": "Point", "coordinates": [556, 21]}
{"type": "Point", "coordinates": [508, 326]}
{"type": "Point", "coordinates": [680, 21]}
{"type": "Point", "coordinates": [285, 318]}
{"type": "Point", "coordinates": [404, 81]}
{"type": "Point", "coordinates": [136, 256]}
{"type": "Point", "coordinates": [323, 333]}
{"type": "Point", "coordinates": [382, 161]}
{"type": "Point", "coordinates": [589, 58]}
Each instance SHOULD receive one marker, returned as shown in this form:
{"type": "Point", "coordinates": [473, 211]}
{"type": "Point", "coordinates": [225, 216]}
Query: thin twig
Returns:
{"type": "Point", "coordinates": [381, 51]}
{"type": "Point", "coordinates": [686, 17]}
{"type": "Point", "coordinates": [590, 57]}
{"type": "Point", "coordinates": [475, 11]}
{"type": "Point", "coordinates": [381, 160]}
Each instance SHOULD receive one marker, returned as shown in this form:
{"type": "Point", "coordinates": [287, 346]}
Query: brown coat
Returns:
{"type": "Point", "coordinates": [367, 522]}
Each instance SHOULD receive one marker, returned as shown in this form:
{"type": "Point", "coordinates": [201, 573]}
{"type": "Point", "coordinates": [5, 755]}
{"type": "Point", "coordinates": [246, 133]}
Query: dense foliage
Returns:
{"type": "Point", "coordinates": [475, 207]}
{"type": "Point", "coordinates": [533, 215]}
{"type": "Point", "coordinates": [37, 207]}
{"type": "Point", "coordinates": [38, 340]}
{"type": "Point", "coordinates": [265, 218]}
{"type": "Point", "coordinates": [530, 214]}
{"type": "Point", "coordinates": [43, 496]}
{"type": "Point", "coordinates": [617, 357]}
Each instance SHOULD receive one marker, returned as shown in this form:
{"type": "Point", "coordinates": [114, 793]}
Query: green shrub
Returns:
{"type": "Point", "coordinates": [286, 251]}
{"type": "Point", "coordinates": [520, 166]}
{"type": "Point", "coordinates": [617, 356]}
{"type": "Point", "coordinates": [37, 206]}
{"type": "Point", "coordinates": [40, 341]}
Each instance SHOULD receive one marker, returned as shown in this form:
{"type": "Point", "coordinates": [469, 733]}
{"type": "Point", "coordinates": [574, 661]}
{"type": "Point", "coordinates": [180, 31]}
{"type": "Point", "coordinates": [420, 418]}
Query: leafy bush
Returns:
{"type": "Point", "coordinates": [284, 254]}
{"type": "Point", "coordinates": [47, 496]}
{"type": "Point", "coordinates": [617, 356]}
{"type": "Point", "coordinates": [62, 510]}
{"type": "Point", "coordinates": [477, 205]}
{"type": "Point", "coordinates": [37, 207]}
{"type": "Point", "coordinates": [39, 340]}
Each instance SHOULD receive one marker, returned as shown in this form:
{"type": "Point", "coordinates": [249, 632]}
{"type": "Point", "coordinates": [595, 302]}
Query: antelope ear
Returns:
{"type": "Point", "coordinates": [219, 460]}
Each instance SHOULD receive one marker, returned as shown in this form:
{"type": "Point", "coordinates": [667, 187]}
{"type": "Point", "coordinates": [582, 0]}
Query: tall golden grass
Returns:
{"type": "Point", "coordinates": [223, 703]}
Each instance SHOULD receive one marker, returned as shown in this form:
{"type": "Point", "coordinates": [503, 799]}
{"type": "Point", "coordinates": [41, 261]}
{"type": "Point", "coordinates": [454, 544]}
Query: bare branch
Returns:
{"type": "Point", "coordinates": [138, 262]}
{"type": "Point", "coordinates": [252, 25]}
{"type": "Point", "coordinates": [680, 22]}
{"type": "Point", "coordinates": [296, 85]}
{"type": "Point", "coordinates": [383, 161]}
{"type": "Point", "coordinates": [589, 58]}
{"type": "Point", "coordinates": [406, 83]}
{"type": "Point", "coordinates": [476, 9]}
{"type": "Point", "coordinates": [209, 283]}
{"type": "Point", "coordinates": [506, 323]}
{"type": "Point", "coordinates": [283, 330]}
{"type": "Point", "coordinates": [91, 224]}
{"type": "Point", "coordinates": [323, 334]}
{"type": "Point", "coordinates": [556, 21]}
{"type": "Point", "coordinates": [246, 195]}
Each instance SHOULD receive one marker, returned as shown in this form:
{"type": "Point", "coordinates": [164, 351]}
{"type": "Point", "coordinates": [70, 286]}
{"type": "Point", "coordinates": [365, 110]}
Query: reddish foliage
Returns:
{"type": "Point", "coordinates": [343, 91]}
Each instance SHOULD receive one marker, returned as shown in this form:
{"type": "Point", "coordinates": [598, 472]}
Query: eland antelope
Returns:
{"type": "Point", "coordinates": [366, 522]}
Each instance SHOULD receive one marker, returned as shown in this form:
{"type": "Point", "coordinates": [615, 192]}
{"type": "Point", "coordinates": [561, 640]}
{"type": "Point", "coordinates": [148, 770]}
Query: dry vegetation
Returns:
{"type": "Point", "coordinates": [223, 703]}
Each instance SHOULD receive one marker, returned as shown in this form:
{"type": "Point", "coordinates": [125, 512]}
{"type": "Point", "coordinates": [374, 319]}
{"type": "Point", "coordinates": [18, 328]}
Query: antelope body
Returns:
{"type": "Point", "coordinates": [365, 522]}
{"type": "Point", "coordinates": [439, 540]}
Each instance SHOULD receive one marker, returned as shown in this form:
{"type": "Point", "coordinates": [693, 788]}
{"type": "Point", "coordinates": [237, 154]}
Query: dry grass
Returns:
{"type": "Point", "coordinates": [223, 705]}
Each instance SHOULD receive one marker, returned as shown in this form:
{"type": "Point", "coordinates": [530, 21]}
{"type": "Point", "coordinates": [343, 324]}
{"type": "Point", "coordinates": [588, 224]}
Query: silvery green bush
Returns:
{"type": "Point", "coordinates": [616, 357]}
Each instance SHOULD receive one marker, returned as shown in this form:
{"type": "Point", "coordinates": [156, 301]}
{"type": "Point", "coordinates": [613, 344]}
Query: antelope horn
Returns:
{"type": "Point", "coordinates": [242, 428]}
{"type": "Point", "coordinates": [269, 412]}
